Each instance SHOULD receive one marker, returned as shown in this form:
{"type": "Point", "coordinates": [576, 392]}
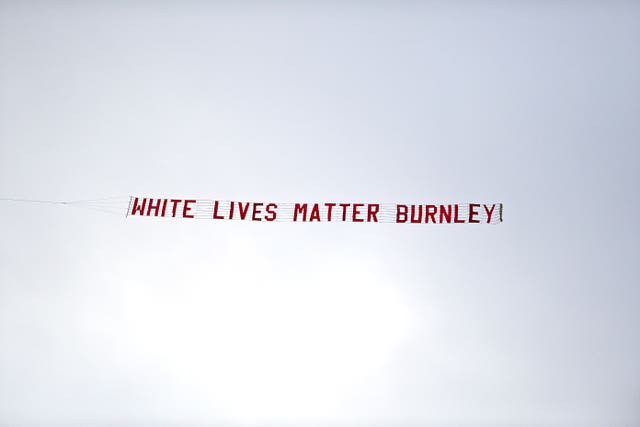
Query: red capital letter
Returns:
{"type": "Point", "coordinates": [329, 208]}
{"type": "Point", "coordinates": [187, 209]}
{"type": "Point", "coordinates": [344, 211]}
{"type": "Point", "coordinates": [152, 207]}
{"type": "Point", "coordinates": [456, 220]}
{"type": "Point", "coordinates": [271, 211]}
{"type": "Point", "coordinates": [215, 211]}
{"type": "Point", "coordinates": [489, 212]}
{"type": "Point", "coordinates": [372, 212]}
{"type": "Point", "coordinates": [300, 208]}
{"type": "Point", "coordinates": [138, 208]}
{"type": "Point", "coordinates": [175, 205]}
{"type": "Point", "coordinates": [401, 213]}
{"type": "Point", "coordinates": [473, 213]}
{"type": "Point", "coordinates": [430, 212]}
{"type": "Point", "coordinates": [356, 212]}
{"type": "Point", "coordinates": [256, 211]}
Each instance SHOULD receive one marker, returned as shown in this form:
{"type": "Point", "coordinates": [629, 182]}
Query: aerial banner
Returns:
{"type": "Point", "coordinates": [267, 211]}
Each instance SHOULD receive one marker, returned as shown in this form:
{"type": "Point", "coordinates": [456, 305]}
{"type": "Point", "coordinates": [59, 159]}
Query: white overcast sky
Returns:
{"type": "Point", "coordinates": [107, 321]}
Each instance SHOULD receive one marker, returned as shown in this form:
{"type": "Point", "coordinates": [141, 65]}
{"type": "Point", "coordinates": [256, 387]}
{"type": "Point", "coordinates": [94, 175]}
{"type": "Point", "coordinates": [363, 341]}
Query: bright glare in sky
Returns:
{"type": "Point", "coordinates": [253, 340]}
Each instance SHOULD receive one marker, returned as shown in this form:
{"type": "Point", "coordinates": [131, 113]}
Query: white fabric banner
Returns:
{"type": "Point", "coordinates": [400, 213]}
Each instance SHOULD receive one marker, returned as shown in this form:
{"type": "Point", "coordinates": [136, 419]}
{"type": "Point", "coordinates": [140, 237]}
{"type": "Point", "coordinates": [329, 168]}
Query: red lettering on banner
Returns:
{"type": "Point", "coordinates": [187, 208]}
{"type": "Point", "coordinates": [175, 205]}
{"type": "Point", "coordinates": [243, 211]}
{"type": "Point", "coordinates": [329, 209]}
{"type": "Point", "coordinates": [138, 207]}
{"type": "Point", "coordinates": [489, 212]}
{"type": "Point", "coordinates": [430, 212]}
{"type": "Point", "coordinates": [215, 210]}
{"type": "Point", "coordinates": [445, 213]}
{"type": "Point", "coordinates": [372, 212]}
{"type": "Point", "coordinates": [256, 211]}
{"type": "Point", "coordinates": [344, 207]}
{"type": "Point", "coordinates": [300, 208]}
{"type": "Point", "coordinates": [401, 213]}
{"type": "Point", "coordinates": [415, 220]}
{"type": "Point", "coordinates": [356, 212]}
{"type": "Point", "coordinates": [153, 207]}
{"type": "Point", "coordinates": [315, 213]}
{"type": "Point", "coordinates": [271, 211]}
{"type": "Point", "coordinates": [473, 213]}
{"type": "Point", "coordinates": [455, 215]}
